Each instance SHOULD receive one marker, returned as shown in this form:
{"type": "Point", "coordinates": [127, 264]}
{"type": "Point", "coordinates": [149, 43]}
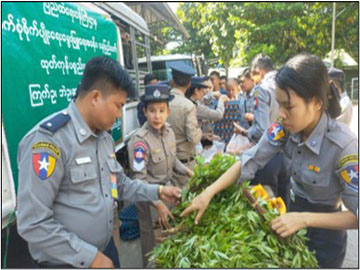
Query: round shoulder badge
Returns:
{"type": "Point", "coordinates": [276, 132]}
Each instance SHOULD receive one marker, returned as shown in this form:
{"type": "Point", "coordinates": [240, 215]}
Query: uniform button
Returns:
{"type": "Point", "coordinates": [313, 143]}
{"type": "Point", "coordinates": [106, 195]}
{"type": "Point", "coordinates": [110, 221]}
{"type": "Point", "coordinates": [314, 182]}
{"type": "Point", "coordinates": [82, 132]}
{"type": "Point", "coordinates": [299, 152]}
{"type": "Point", "coordinates": [65, 112]}
{"type": "Point", "coordinates": [49, 124]}
{"type": "Point", "coordinates": [294, 173]}
{"type": "Point", "coordinates": [82, 263]}
{"type": "Point", "coordinates": [102, 168]}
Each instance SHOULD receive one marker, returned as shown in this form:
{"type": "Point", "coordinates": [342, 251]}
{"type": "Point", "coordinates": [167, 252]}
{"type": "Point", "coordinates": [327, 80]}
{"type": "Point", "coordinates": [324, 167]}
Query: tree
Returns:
{"type": "Point", "coordinates": [236, 32]}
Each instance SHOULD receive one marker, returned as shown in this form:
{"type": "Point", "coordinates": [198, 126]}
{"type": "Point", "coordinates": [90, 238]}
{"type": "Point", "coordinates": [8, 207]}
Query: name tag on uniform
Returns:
{"type": "Point", "coordinates": [83, 160]}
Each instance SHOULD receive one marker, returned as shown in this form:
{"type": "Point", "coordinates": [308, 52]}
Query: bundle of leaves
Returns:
{"type": "Point", "coordinates": [231, 233]}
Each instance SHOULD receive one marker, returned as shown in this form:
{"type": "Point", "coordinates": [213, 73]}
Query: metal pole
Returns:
{"type": "Point", "coordinates": [333, 36]}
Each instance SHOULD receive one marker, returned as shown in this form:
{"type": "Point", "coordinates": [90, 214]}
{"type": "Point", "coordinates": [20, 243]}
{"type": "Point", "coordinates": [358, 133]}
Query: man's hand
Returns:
{"type": "Point", "coordinates": [239, 129]}
{"type": "Point", "coordinates": [199, 203]}
{"type": "Point", "coordinates": [216, 94]}
{"type": "Point", "coordinates": [211, 137]}
{"type": "Point", "coordinates": [164, 213]}
{"type": "Point", "coordinates": [224, 98]}
{"type": "Point", "coordinates": [249, 117]}
{"type": "Point", "coordinates": [101, 261]}
{"type": "Point", "coordinates": [288, 223]}
{"type": "Point", "coordinates": [190, 173]}
{"type": "Point", "coordinates": [170, 194]}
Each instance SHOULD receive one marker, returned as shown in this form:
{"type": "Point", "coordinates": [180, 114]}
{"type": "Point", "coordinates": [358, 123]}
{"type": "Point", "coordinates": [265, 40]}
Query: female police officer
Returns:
{"type": "Point", "coordinates": [321, 155]}
{"type": "Point", "coordinates": [152, 155]}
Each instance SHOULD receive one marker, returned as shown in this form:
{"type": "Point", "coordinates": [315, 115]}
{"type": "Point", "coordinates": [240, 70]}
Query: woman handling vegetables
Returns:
{"type": "Point", "coordinates": [321, 156]}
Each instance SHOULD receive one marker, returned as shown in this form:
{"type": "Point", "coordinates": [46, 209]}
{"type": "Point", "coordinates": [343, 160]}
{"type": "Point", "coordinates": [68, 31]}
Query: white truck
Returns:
{"type": "Point", "coordinates": [45, 46]}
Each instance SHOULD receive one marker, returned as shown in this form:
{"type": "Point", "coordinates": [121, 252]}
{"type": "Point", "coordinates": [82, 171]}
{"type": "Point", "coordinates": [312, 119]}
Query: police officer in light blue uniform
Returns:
{"type": "Point", "coordinates": [69, 178]}
{"type": "Point", "coordinates": [321, 155]}
{"type": "Point", "coordinates": [246, 101]}
{"type": "Point", "coordinates": [265, 111]}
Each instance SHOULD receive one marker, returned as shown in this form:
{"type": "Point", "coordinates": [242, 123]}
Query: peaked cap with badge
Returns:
{"type": "Point", "coordinates": [157, 92]}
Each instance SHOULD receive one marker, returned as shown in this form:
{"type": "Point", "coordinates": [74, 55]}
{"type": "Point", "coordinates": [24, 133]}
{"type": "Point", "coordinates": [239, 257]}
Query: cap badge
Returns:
{"type": "Point", "coordinates": [157, 93]}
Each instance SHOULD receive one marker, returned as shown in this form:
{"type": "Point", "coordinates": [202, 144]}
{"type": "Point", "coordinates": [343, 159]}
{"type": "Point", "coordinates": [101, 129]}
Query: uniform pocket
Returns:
{"type": "Point", "coordinates": [113, 166]}
{"type": "Point", "coordinates": [84, 187]}
{"type": "Point", "coordinates": [82, 173]}
{"type": "Point", "coordinates": [316, 184]}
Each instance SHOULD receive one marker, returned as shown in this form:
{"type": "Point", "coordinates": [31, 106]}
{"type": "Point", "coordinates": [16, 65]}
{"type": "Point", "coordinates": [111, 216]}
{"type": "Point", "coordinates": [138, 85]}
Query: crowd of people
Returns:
{"type": "Point", "coordinates": [295, 119]}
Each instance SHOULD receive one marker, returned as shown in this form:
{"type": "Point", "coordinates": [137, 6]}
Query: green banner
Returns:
{"type": "Point", "coordinates": [44, 50]}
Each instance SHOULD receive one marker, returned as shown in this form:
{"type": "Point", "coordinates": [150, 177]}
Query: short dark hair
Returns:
{"type": "Point", "coordinates": [101, 72]}
{"type": "Point", "coordinates": [245, 73]}
{"type": "Point", "coordinates": [307, 76]}
{"type": "Point", "coordinates": [148, 78]}
{"type": "Point", "coordinates": [234, 79]}
{"type": "Point", "coordinates": [180, 79]}
{"type": "Point", "coordinates": [223, 77]}
{"type": "Point", "coordinates": [216, 73]}
{"type": "Point", "coordinates": [262, 62]}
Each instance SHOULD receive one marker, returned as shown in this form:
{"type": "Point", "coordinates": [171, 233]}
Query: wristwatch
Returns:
{"type": "Point", "coordinates": [160, 190]}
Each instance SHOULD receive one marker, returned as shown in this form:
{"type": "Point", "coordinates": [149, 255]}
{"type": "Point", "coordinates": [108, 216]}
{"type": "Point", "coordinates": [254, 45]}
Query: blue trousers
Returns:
{"type": "Point", "coordinates": [111, 252]}
{"type": "Point", "coordinates": [329, 245]}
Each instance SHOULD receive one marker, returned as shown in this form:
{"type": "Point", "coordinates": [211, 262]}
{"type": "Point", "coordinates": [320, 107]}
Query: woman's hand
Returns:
{"type": "Point", "coordinates": [164, 213]}
{"type": "Point", "coordinates": [288, 223]}
{"type": "Point", "coordinates": [199, 203]}
{"type": "Point", "coordinates": [249, 117]}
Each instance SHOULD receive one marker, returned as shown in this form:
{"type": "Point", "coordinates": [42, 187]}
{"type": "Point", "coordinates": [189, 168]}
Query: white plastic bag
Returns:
{"type": "Point", "coordinates": [217, 147]}
{"type": "Point", "coordinates": [238, 144]}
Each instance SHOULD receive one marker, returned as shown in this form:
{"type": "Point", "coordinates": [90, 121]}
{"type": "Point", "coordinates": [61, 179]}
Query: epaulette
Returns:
{"type": "Point", "coordinates": [339, 133]}
{"type": "Point", "coordinates": [56, 122]}
{"type": "Point", "coordinates": [142, 131]}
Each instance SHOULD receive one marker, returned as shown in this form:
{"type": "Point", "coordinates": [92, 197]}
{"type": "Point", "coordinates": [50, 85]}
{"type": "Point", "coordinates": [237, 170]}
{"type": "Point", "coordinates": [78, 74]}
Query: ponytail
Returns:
{"type": "Point", "coordinates": [334, 108]}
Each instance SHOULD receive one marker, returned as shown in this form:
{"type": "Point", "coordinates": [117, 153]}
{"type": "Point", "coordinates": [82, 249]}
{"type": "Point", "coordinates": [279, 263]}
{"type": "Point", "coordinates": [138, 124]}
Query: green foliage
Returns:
{"type": "Point", "coordinates": [236, 32]}
{"type": "Point", "coordinates": [231, 233]}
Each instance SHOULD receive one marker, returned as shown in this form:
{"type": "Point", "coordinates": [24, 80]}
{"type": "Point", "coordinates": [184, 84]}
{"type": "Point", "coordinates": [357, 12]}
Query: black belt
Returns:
{"type": "Point", "coordinates": [305, 205]}
{"type": "Point", "coordinates": [187, 160]}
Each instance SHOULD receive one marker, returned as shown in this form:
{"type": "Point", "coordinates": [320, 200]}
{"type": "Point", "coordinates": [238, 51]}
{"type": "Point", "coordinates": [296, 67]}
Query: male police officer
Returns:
{"type": "Point", "coordinates": [266, 111]}
{"type": "Point", "coordinates": [337, 76]}
{"type": "Point", "coordinates": [183, 119]}
{"type": "Point", "coordinates": [69, 178]}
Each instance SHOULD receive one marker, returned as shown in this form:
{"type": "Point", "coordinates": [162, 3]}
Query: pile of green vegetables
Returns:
{"type": "Point", "coordinates": [231, 234]}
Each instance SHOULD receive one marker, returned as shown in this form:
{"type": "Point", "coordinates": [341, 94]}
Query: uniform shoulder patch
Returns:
{"type": "Point", "coordinates": [140, 149]}
{"type": "Point", "coordinates": [276, 133]}
{"type": "Point", "coordinates": [43, 164]}
{"type": "Point", "coordinates": [256, 103]}
{"type": "Point", "coordinates": [349, 171]}
{"type": "Point", "coordinates": [55, 123]}
{"type": "Point", "coordinates": [49, 146]}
